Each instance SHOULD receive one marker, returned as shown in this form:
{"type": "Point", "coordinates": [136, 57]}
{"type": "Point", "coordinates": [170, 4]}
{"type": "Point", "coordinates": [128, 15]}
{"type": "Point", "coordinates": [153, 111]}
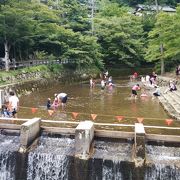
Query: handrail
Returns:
{"type": "Point", "coordinates": [163, 127]}
{"type": "Point", "coordinates": [118, 125]}
{"type": "Point", "coordinates": [61, 122]}
{"type": "Point", "coordinates": [20, 64]}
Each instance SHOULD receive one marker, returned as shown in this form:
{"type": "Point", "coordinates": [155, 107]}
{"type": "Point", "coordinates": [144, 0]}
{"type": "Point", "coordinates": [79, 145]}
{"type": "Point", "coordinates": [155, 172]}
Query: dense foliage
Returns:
{"type": "Point", "coordinates": [88, 33]}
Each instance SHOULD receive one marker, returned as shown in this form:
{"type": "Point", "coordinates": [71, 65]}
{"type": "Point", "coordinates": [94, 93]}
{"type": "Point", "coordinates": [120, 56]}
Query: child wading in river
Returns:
{"type": "Point", "coordinates": [48, 105]}
{"type": "Point", "coordinates": [134, 91]}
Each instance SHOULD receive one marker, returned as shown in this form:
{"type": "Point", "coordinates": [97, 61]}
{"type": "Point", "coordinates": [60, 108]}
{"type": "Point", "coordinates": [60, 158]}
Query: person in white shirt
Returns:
{"type": "Point", "coordinates": [13, 104]}
{"type": "Point", "coordinates": [62, 97]}
{"type": "Point", "coordinates": [103, 84]}
{"type": "Point", "coordinates": [91, 83]}
{"type": "Point", "coordinates": [157, 91]}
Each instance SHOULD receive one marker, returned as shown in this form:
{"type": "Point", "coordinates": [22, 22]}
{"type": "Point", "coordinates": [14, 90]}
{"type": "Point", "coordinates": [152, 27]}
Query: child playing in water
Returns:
{"type": "Point", "coordinates": [134, 90]}
{"type": "Point", "coordinates": [48, 105]}
{"type": "Point", "coordinates": [143, 93]}
{"type": "Point", "coordinates": [91, 83]}
{"type": "Point", "coordinates": [134, 76]}
{"type": "Point", "coordinates": [4, 111]}
{"type": "Point", "coordinates": [55, 104]}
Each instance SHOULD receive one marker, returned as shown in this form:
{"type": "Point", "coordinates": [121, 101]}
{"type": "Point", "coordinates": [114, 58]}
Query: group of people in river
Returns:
{"type": "Point", "coordinates": [10, 107]}
{"type": "Point", "coordinates": [59, 100]}
{"type": "Point", "coordinates": [106, 80]}
{"type": "Point", "coordinates": [151, 81]}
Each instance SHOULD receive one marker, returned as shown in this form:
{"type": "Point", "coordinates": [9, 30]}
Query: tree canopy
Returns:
{"type": "Point", "coordinates": [87, 33]}
{"type": "Point", "coordinates": [166, 32]}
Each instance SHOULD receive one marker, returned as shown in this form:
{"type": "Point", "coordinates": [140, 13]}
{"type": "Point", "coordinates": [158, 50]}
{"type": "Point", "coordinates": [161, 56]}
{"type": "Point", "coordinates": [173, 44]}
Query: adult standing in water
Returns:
{"type": "Point", "coordinates": [13, 104]}
{"type": "Point", "coordinates": [62, 97]}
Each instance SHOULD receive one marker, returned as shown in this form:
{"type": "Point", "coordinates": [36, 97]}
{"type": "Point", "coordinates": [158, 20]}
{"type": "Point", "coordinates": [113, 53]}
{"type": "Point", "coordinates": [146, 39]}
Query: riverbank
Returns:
{"type": "Point", "coordinates": [54, 72]}
{"type": "Point", "coordinates": [170, 101]}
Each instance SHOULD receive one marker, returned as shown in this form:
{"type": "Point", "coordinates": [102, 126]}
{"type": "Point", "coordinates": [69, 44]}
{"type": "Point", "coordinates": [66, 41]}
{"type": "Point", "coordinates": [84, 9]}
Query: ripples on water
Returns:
{"type": "Point", "coordinates": [114, 151]}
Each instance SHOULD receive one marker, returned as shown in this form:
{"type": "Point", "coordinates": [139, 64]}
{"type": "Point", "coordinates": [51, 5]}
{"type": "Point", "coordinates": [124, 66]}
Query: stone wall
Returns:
{"type": "Point", "coordinates": [164, 81]}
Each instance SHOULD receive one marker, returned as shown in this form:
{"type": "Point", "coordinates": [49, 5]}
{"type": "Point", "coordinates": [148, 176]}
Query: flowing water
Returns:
{"type": "Point", "coordinates": [53, 159]}
{"type": "Point", "coordinates": [163, 163]}
{"type": "Point", "coordinates": [50, 159]}
{"type": "Point", "coordinates": [8, 149]}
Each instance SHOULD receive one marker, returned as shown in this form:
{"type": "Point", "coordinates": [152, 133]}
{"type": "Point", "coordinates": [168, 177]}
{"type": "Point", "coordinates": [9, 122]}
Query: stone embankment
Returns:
{"type": "Point", "coordinates": [170, 100]}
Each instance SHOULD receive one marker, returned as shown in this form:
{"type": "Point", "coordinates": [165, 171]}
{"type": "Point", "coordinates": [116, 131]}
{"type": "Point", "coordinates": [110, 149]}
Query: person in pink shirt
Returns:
{"type": "Point", "coordinates": [134, 90]}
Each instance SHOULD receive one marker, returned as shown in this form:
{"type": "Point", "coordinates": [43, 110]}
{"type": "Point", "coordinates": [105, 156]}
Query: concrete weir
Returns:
{"type": "Point", "coordinates": [29, 131]}
{"type": "Point", "coordinates": [139, 150]}
{"type": "Point", "coordinates": [85, 132]}
{"type": "Point", "coordinates": [139, 141]}
{"type": "Point", "coordinates": [84, 135]}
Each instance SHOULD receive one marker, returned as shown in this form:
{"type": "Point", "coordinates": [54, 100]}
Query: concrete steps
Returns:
{"type": "Point", "coordinates": [171, 102]}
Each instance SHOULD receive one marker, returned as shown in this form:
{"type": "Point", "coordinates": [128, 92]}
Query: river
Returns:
{"type": "Point", "coordinates": [104, 105]}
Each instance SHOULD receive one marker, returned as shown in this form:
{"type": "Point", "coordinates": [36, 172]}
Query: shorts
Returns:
{"type": "Point", "coordinates": [14, 112]}
{"type": "Point", "coordinates": [156, 94]}
{"type": "Point", "coordinates": [64, 99]}
{"type": "Point", "coordinates": [134, 92]}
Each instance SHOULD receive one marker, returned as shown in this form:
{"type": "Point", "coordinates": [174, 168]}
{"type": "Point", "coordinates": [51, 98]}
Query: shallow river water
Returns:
{"type": "Point", "coordinates": [105, 104]}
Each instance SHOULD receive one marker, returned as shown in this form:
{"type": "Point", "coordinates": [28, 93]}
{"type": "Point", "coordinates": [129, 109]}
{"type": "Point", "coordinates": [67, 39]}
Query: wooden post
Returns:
{"type": "Point", "coordinates": [84, 135]}
{"type": "Point", "coordinates": [29, 132]}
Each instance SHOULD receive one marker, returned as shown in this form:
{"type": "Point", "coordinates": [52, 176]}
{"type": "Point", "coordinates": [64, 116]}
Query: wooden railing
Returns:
{"type": "Point", "coordinates": [23, 64]}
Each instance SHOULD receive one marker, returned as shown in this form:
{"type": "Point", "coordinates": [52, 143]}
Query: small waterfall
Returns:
{"type": "Point", "coordinates": [111, 172]}
{"type": "Point", "coordinates": [50, 159]}
{"type": "Point", "coordinates": [9, 147]}
{"type": "Point", "coordinates": [116, 159]}
{"type": "Point", "coordinates": [162, 163]}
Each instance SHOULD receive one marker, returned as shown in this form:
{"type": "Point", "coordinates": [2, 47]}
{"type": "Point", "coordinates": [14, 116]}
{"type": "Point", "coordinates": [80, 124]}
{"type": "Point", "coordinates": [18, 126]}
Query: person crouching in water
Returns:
{"type": "Point", "coordinates": [62, 97]}
{"type": "Point", "coordinates": [134, 91]}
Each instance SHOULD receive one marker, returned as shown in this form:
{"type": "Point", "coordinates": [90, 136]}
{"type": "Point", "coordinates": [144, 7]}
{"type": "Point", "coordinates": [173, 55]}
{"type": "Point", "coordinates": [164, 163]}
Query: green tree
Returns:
{"type": "Point", "coordinates": [13, 25]}
{"type": "Point", "coordinates": [120, 35]}
{"type": "Point", "coordinates": [166, 32]}
{"type": "Point", "coordinates": [21, 22]}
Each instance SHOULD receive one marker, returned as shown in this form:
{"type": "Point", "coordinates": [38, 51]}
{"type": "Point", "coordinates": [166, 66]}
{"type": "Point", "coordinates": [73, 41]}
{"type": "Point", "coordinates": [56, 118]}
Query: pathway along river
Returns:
{"type": "Point", "coordinates": [106, 104]}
